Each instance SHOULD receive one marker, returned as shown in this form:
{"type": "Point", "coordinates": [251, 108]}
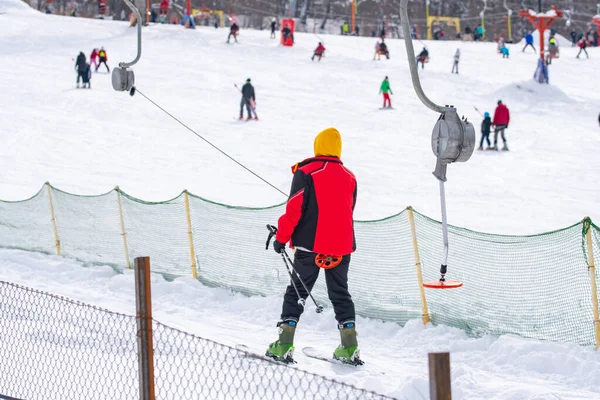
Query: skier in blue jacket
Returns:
{"type": "Point", "coordinates": [529, 42]}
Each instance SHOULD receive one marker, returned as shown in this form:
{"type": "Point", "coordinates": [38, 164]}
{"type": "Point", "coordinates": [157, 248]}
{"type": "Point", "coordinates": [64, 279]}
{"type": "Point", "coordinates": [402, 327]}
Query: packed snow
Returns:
{"type": "Point", "coordinates": [88, 141]}
{"type": "Point", "coordinates": [490, 367]}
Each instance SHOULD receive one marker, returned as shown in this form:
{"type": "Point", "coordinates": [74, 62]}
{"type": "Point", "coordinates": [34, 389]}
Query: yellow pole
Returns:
{"type": "Point", "coordinates": [429, 37]}
{"type": "Point", "coordinates": [123, 235]}
{"type": "Point", "coordinates": [482, 28]}
{"type": "Point", "coordinates": [590, 250]}
{"type": "Point", "coordinates": [190, 235]}
{"type": "Point", "coordinates": [509, 26]}
{"type": "Point", "coordinates": [53, 217]}
{"type": "Point", "coordinates": [413, 232]}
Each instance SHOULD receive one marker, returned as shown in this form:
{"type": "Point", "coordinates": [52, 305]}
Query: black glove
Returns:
{"type": "Point", "coordinates": [278, 246]}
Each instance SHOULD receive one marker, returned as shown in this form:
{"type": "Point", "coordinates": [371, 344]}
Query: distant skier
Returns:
{"type": "Point", "coordinates": [552, 50]}
{"type": "Point", "coordinates": [273, 27]}
{"type": "Point", "coordinates": [87, 76]}
{"type": "Point", "coordinates": [318, 52]}
{"type": "Point", "coordinates": [376, 51]}
{"type": "Point", "coordinates": [500, 122]}
{"type": "Point", "coordinates": [385, 88]}
{"type": "Point", "coordinates": [318, 221]}
{"type": "Point", "coordinates": [529, 42]}
{"type": "Point", "coordinates": [233, 31]}
{"type": "Point", "coordinates": [456, 61]}
{"type": "Point", "coordinates": [103, 58]}
{"type": "Point", "coordinates": [287, 32]}
{"type": "Point", "coordinates": [423, 57]}
{"type": "Point", "coordinates": [94, 58]}
{"type": "Point", "coordinates": [80, 67]}
{"type": "Point", "coordinates": [573, 38]}
{"type": "Point", "coordinates": [505, 52]}
{"type": "Point", "coordinates": [486, 126]}
{"type": "Point", "coordinates": [248, 100]}
{"type": "Point", "coordinates": [582, 45]}
{"type": "Point", "coordinates": [383, 49]}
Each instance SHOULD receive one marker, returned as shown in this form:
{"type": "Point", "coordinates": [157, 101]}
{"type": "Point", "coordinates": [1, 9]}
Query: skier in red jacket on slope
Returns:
{"type": "Point", "coordinates": [318, 52]}
{"type": "Point", "coordinates": [319, 221]}
{"type": "Point", "coordinates": [500, 121]}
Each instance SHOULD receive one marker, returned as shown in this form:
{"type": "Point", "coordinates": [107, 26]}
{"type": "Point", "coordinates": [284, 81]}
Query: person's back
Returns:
{"type": "Point", "coordinates": [486, 125]}
{"type": "Point", "coordinates": [325, 198]}
{"type": "Point", "coordinates": [529, 38]}
{"type": "Point", "coordinates": [382, 47]}
{"type": "Point", "coordinates": [81, 62]}
{"type": "Point", "coordinates": [248, 91]}
{"type": "Point", "coordinates": [320, 49]}
{"type": "Point", "coordinates": [501, 115]}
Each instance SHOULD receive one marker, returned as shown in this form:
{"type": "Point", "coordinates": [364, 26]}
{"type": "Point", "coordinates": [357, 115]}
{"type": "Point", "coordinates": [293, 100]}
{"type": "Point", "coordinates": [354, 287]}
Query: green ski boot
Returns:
{"type": "Point", "coordinates": [282, 350]}
{"type": "Point", "coordinates": [348, 351]}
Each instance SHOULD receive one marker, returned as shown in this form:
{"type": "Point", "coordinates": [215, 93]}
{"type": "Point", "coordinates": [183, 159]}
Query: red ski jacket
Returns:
{"type": "Point", "coordinates": [319, 212]}
{"type": "Point", "coordinates": [501, 116]}
{"type": "Point", "coordinates": [320, 49]}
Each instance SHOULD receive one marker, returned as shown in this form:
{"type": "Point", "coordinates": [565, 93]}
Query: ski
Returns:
{"type": "Point", "coordinates": [318, 355]}
{"type": "Point", "coordinates": [386, 108]}
{"type": "Point", "coordinates": [249, 353]}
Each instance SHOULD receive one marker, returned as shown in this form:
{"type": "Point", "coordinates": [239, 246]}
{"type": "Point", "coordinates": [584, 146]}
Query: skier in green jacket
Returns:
{"type": "Point", "coordinates": [385, 88]}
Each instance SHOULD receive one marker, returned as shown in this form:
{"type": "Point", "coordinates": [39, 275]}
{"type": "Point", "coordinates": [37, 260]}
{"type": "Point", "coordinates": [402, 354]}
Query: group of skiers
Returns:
{"type": "Point", "coordinates": [499, 123]}
{"type": "Point", "coordinates": [84, 70]}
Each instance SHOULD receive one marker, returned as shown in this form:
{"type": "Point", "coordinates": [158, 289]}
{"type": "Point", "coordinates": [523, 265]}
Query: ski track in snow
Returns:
{"type": "Point", "coordinates": [87, 142]}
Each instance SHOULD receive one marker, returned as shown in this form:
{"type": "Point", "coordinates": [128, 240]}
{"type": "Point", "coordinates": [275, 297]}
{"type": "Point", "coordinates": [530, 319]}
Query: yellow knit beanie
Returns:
{"type": "Point", "coordinates": [328, 143]}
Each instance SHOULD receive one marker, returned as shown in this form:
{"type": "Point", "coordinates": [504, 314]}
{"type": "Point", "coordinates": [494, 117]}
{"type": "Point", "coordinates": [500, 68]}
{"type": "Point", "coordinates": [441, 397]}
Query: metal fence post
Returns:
{"type": "Point", "coordinates": [53, 218]}
{"type": "Point", "coordinates": [143, 301]}
{"type": "Point", "coordinates": [190, 234]}
{"type": "Point", "coordinates": [411, 220]}
{"type": "Point", "coordinates": [587, 226]}
{"type": "Point", "coordinates": [123, 235]}
{"type": "Point", "coordinates": [439, 376]}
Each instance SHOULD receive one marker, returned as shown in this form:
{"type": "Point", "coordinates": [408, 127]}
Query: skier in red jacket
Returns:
{"type": "Point", "coordinates": [318, 52]}
{"type": "Point", "coordinates": [319, 221]}
{"type": "Point", "coordinates": [500, 122]}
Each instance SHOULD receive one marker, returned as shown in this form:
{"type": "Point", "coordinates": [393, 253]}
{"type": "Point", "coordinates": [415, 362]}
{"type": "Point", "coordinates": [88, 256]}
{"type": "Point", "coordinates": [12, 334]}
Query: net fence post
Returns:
{"type": "Point", "coordinates": [587, 226]}
{"type": "Point", "coordinates": [439, 376]}
{"type": "Point", "coordinates": [123, 235]}
{"type": "Point", "coordinates": [188, 216]}
{"type": "Point", "coordinates": [143, 302]}
{"type": "Point", "coordinates": [53, 218]}
{"type": "Point", "coordinates": [413, 232]}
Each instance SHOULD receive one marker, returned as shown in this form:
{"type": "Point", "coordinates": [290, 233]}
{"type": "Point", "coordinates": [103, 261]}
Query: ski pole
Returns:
{"type": "Point", "coordinates": [319, 307]}
{"type": "Point", "coordinates": [290, 267]}
{"type": "Point", "coordinates": [477, 109]}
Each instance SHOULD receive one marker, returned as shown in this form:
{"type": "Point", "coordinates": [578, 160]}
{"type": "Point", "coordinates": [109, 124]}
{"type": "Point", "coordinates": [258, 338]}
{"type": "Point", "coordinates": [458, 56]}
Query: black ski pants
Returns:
{"type": "Point", "coordinates": [337, 287]}
{"type": "Point", "coordinates": [245, 102]}
{"type": "Point", "coordinates": [499, 129]}
{"type": "Point", "coordinates": [103, 61]}
{"type": "Point", "coordinates": [527, 45]}
{"type": "Point", "coordinates": [80, 75]}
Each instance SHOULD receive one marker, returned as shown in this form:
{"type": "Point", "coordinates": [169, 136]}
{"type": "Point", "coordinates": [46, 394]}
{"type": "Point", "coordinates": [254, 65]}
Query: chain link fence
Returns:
{"type": "Point", "coordinates": [536, 286]}
{"type": "Point", "coordinates": [53, 347]}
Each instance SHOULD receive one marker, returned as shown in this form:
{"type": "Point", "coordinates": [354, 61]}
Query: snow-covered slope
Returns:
{"type": "Point", "coordinates": [89, 141]}
{"type": "Point", "coordinates": [490, 367]}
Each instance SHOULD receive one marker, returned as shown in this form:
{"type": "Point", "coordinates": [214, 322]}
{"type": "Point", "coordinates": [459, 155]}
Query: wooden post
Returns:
{"type": "Point", "coordinates": [123, 235]}
{"type": "Point", "coordinates": [411, 220]}
{"type": "Point", "coordinates": [439, 376]}
{"type": "Point", "coordinates": [53, 218]}
{"type": "Point", "coordinates": [190, 234]}
{"type": "Point", "coordinates": [592, 270]}
{"type": "Point", "coordinates": [143, 302]}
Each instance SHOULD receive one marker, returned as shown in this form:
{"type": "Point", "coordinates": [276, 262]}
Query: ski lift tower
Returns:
{"type": "Point", "coordinates": [542, 21]}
